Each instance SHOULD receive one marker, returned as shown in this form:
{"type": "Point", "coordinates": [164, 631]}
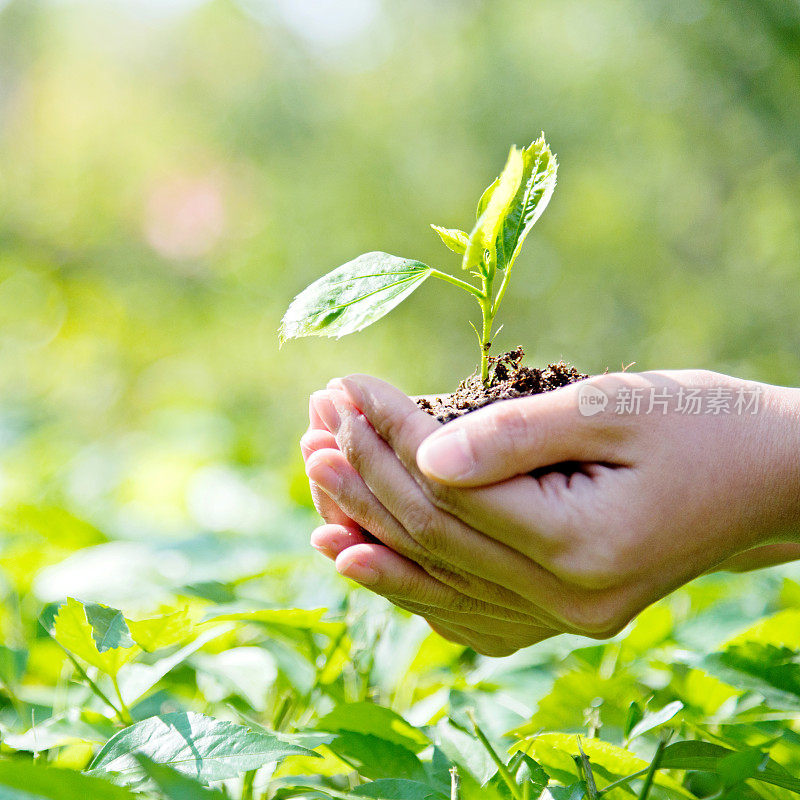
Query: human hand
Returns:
{"type": "Point", "coordinates": [656, 499]}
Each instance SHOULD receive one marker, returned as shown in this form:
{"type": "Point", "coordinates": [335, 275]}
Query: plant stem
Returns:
{"type": "Point", "coordinates": [94, 687]}
{"type": "Point", "coordinates": [651, 772]}
{"type": "Point", "coordinates": [455, 783]}
{"type": "Point", "coordinates": [468, 287]}
{"type": "Point", "coordinates": [126, 712]}
{"type": "Point", "coordinates": [501, 767]}
{"type": "Point", "coordinates": [248, 784]}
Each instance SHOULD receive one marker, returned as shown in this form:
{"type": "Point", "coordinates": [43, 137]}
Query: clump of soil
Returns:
{"type": "Point", "coordinates": [508, 379]}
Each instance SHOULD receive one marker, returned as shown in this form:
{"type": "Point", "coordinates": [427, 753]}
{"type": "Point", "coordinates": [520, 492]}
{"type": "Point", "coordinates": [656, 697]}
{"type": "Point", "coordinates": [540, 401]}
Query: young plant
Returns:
{"type": "Point", "coordinates": [363, 290]}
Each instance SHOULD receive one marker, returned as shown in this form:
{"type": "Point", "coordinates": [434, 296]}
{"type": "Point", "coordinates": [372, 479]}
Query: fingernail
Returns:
{"type": "Point", "coordinates": [353, 391]}
{"type": "Point", "coordinates": [327, 552]}
{"type": "Point", "coordinates": [326, 410]}
{"type": "Point", "coordinates": [446, 455]}
{"type": "Point", "coordinates": [325, 476]}
{"type": "Point", "coordinates": [335, 383]}
{"type": "Point", "coordinates": [360, 572]}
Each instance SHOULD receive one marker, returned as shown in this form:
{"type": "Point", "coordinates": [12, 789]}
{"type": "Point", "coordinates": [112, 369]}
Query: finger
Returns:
{"type": "Point", "coordinates": [351, 494]}
{"type": "Point", "coordinates": [310, 443]}
{"type": "Point", "coordinates": [515, 437]}
{"type": "Point", "coordinates": [316, 439]}
{"type": "Point", "coordinates": [447, 539]}
{"type": "Point", "coordinates": [330, 540]}
{"type": "Point", "coordinates": [389, 574]}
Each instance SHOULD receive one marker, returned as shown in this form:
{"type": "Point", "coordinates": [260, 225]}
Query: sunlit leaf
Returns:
{"type": "Point", "coordinates": [71, 629]}
{"type": "Point", "coordinates": [352, 296]}
{"type": "Point", "coordinates": [22, 780]}
{"type": "Point", "coordinates": [453, 238]}
{"type": "Point", "coordinates": [194, 744]}
{"type": "Point", "coordinates": [533, 193]}
{"type": "Point", "coordinates": [109, 629]}
{"type": "Point", "coordinates": [653, 720]}
{"type": "Point", "coordinates": [164, 631]}
{"type": "Point", "coordinates": [377, 758]}
{"type": "Point", "coordinates": [175, 785]}
{"type": "Point", "coordinates": [483, 236]}
{"type": "Point", "coordinates": [12, 664]}
{"type": "Point", "coordinates": [399, 790]}
{"type": "Point", "coordinates": [371, 719]}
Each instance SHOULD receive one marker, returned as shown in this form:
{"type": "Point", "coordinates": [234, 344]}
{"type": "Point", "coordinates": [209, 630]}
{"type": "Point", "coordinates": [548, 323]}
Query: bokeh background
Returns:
{"type": "Point", "coordinates": [173, 172]}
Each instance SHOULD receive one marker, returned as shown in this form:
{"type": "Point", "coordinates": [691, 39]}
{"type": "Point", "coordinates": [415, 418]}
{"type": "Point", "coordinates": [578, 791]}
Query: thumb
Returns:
{"type": "Point", "coordinates": [514, 437]}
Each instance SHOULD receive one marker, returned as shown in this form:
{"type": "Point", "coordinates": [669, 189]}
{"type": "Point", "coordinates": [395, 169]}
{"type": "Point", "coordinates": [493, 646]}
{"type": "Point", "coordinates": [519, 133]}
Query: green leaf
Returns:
{"type": "Point", "coordinates": [55, 732]}
{"type": "Point", "coordinates": [22, 780]}
{"type": "Point", "coordinates": [695, 755]}
{"type": "Point", "coordinates": [771, 671]}
{"type": "Point", "coordinates": [635, 716]}
{"type": "Point", "coordinates": [72, 630]}
{"type": "Point", "coordinates": [453, 238]}
{"type": "Point", "coordinates": [575, 791]}
{"type": "Point", "coordinates": [301, 618]}
{"type": "Point", "coordinates": [109, 629]}
{"type": "Point", "coordinates": [653, 720]}
{"type": "Point", "coordinates": [164, 631]}
{"type": "Point", "coordinates": [525, 772]}
{"type": "Point", "coordinates": [353, 296]}
{"type": "Point", "coordinates": [484, 234]}
{"type": "Point", "coordinates": [533, 193]}
{"type": "Point", "coordinates": [377, 758]}
{"type": "Point", "coordinates": [368, 718]}
{"type": "Point", "coordinates": [398, 790]}
{"type": "Point", "coordinates": [194, 744]}
{"type": "Point", "coordinates": [174, 784]}
{"type": "Point", "coordinates": [12, 665]}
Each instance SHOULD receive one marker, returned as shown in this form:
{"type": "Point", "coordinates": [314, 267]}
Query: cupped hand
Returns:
{"type": "Point", "coordinates": [530, 518]}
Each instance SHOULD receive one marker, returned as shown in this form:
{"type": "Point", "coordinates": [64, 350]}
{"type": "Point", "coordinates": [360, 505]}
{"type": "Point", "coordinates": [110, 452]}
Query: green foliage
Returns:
{"type": "Point", "coordinates": [353, 296]}
{"type": "Point", "coordinates": [362, 291]}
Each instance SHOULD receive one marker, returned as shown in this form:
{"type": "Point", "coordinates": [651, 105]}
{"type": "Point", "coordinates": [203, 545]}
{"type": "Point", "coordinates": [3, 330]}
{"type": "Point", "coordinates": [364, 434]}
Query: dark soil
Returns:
{"type": "Point", "coordinates": [509, 379]}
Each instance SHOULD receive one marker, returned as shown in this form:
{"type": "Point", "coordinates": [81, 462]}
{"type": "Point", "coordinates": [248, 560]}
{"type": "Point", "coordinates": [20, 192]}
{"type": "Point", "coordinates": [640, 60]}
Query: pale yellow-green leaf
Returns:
{"type": "Point", "coordinates": [781, 630]}
{"type": "Point", "coordinates": [164, 631]}
{"type": "Point", "coordinates": [557, 750]}
{"type": "Point", "coordinates": [453, 238]}
{"type": "Point", "coordinates": [74, 633]}
{"type": "Point", "coordinates": [307, 619]}
{"type": "Point", "coordinates": [487, 227]}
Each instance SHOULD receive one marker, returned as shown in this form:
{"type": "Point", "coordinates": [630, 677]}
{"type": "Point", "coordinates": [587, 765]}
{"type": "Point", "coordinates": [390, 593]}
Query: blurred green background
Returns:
{"type": "Point", "coordinates": [173, 173]}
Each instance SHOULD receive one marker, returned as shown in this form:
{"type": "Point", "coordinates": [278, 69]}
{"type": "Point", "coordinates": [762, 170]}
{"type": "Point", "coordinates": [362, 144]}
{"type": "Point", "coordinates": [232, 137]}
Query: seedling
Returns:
{"type": "Point", "coordinates": [363, 290]}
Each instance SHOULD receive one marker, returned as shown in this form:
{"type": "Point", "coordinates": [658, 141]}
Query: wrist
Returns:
{"type": "Point", "coordinates": [780, 449]}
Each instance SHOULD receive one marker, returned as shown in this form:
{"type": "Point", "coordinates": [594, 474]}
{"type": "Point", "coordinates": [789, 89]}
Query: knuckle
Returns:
{"type": "Point", "coordinates": [443, 497]}
{"type": "Point", "coordinates": [596, 617]}
{"type": "Point", "coordinates": [421, 524]}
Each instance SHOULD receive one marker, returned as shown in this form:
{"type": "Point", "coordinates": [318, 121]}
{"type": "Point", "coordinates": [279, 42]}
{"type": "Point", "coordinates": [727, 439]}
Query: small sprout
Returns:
{"type": "Point", "coordinates": [363, 290]}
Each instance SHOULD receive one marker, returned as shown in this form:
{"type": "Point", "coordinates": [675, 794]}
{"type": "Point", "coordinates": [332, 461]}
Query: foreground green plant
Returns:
{"type": "Point", "coordinates": [362, 291]}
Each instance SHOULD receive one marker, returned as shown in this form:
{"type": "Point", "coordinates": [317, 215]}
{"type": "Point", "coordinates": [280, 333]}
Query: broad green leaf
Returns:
{"type": "Point", "coordinates": [695, 755]}
{"type": "Point", "coordinates": [368, 718]}
{"type": "Point", "coordinates": [137, 679]}
{"type": "Point", "coordinates": [55, 732]}
{"type": "Point", "coordinates": [653, 720]}
{"type": "Point", "coordinates": [301, 618]}
{"type": "Point", "coordinates": [353, 296]}
{"type": "Point", "coordinates": [194, 744]}
{"type": "Point", "coordinates": [22, 780]}
{"type": "Point", "coordinates": [12, 665]}
{"type": "Point", "coordinates": [533, 193]}
{"type": "Point", "coordinates": [71, 629]}
{"type": "Point", "coordinates": [485, 197]}
{"type": "Point", "coordinates": [559, 749]}
{"type": "Point", "coordinates": [398, 790]}
{"type": "Point", "coordinates": [524, 771]}
{"type": "Point", "coordinates": [109, 629]}
{"type": "Point", "coordinates": [453, 238]}
{"type": "Point", "coordinates": [635, 716]}
{"type": "Point", "coordinates": [165, 631]}
{"type": "Point", "coordinates": [464, 750]}
{"type": "Point", "coordinates": [771, 671]}
{"type": "Point", "coordinates": [781, 630]}
{"type": "Point", "coordinates": [575, 791]}
{"type": "Point", "coordinates": [377, 758]}
{"type": "Point", "coordinates": [175, 785]}
{"type": "Point", "coordinates": [484, 234]}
